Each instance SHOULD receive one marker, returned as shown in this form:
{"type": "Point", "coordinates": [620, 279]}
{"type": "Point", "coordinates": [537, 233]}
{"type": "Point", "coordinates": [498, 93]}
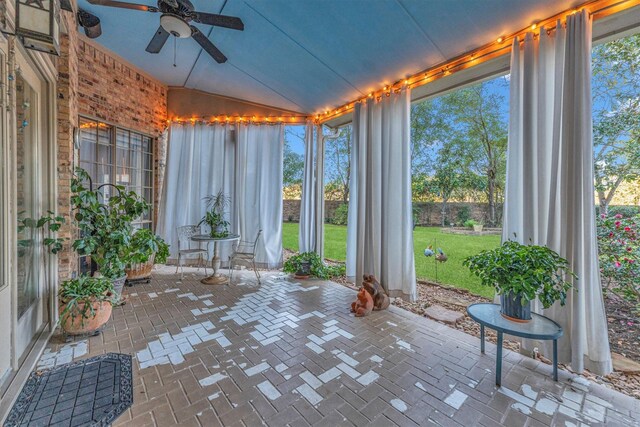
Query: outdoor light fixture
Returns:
{"type": "Point", "coordinates": [37, 24]}
{"type": "Point", "coordinates": [175, 25]}
{"type": "Point", "coordinates": [90, 23]}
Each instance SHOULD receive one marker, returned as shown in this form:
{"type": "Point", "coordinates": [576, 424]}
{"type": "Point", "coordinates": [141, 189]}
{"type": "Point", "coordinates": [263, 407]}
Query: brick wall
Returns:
{"type": "Point", "coordinates": [116, 93]}
{"type": "Point", "coordinates": [428, 213]}
{"type": "Point", "coordinates": [67, 117]}
{"type": "Point", "coordinates": [95, 83]}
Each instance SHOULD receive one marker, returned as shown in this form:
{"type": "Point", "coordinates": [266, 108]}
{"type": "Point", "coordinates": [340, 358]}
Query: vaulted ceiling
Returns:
{"type": "Point", "coordinates": [312, 55]}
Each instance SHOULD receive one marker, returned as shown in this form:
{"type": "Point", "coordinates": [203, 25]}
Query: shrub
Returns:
{"type": "Point", "coordinates": [318, 268]}
{"type": "Point", "coordinates": [470, 223]}
{"type": "Point", "coordinates": [464, 215]}
{"type": "Point", "coordinates": [341, 214]}
{"type": "Point", "coordinates": [619, 254]}
{"type": "Point", "coordinates": [625, 211]}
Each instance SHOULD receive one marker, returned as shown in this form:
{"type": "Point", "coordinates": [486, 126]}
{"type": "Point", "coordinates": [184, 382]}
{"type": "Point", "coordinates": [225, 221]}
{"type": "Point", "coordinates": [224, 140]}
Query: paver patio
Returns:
{"type": "Point", "coordinates": [288, 352]}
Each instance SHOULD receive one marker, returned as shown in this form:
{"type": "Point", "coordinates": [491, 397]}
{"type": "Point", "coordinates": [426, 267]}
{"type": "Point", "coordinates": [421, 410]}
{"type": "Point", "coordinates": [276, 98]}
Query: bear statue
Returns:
{"type": "Point", "coordinates": [363, 305]}
{"type": "Point", "coordinates": [380, 298]}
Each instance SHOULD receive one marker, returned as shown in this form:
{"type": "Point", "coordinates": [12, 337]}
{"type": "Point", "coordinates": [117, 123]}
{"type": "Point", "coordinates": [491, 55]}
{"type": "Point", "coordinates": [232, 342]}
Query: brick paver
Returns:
{"type": "Point", "coordinates": [288, 352]}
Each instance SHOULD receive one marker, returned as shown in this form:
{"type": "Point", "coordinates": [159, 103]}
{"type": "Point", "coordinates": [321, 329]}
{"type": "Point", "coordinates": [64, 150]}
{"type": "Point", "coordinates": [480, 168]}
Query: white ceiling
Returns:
{"type": "Point", "coordinates": [312, 55]}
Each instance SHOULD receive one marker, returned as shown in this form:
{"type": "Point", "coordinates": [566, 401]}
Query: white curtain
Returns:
{"type": "Point", "coordinates": [258, 190]}
{"type": "Point", "coordinates": [307, 232]}
{"type": "Point", "coordinates": [549, 196]}
{"type": "Point", "coordinates": [201, 160]}
{"type": "Point", "coordinates": [379, 232]}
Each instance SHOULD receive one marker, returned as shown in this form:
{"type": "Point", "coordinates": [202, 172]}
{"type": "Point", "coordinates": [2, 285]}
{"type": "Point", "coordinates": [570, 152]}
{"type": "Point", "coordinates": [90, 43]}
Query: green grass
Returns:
{"type": "Point", "coordinates": [457, 247]}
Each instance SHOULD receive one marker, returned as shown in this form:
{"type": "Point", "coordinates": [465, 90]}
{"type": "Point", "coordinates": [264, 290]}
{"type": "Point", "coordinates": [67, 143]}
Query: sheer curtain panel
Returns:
{"type": "Point", "coordinates": [203, 159]}
{"type": "Point", "coordinates": [380, 226]}
{"type": "Point", "coordinates": [549, 196]}
{"type": "Point", "coordinates": [306, 236]}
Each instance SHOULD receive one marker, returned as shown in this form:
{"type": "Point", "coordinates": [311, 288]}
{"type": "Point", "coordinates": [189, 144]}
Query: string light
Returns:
{"type": "Point", "coordinates": [237, 119]}
{"type": "Point", "coordinates": [598, 8]}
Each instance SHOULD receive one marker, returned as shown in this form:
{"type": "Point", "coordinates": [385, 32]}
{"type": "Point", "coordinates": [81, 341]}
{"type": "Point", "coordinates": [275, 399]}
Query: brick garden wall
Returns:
{"type": "Point", "coordinates": [95, 83]}
{"type": "Point", "coordinates": [429, 213]}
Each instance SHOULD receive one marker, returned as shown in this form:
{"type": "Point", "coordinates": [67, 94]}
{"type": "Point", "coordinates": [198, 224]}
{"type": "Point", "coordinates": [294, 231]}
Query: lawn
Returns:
{"type": "Point", "coordinates": [457, 247]}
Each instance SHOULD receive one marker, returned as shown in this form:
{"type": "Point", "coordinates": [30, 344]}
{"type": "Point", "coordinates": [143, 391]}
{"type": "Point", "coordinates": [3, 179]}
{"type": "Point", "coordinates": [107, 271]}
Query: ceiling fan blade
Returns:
{"type": "Point", "coordinates": [158, 40]}
{"type": "Point", "coordinates": [207, 45]}
{"type": "Point", "coordinates": [124, 5]}
{"type": "Point", "coordinates": [219, 20]}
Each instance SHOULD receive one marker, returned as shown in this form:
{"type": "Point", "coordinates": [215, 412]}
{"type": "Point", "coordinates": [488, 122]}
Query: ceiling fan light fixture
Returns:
{"type": "Point", "coordinates": [175, 25]}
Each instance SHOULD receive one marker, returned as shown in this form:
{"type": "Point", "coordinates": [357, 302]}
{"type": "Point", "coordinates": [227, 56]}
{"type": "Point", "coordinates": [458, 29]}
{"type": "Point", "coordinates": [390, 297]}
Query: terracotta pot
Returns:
{"type": "Point", "coordinates": [74, 324]}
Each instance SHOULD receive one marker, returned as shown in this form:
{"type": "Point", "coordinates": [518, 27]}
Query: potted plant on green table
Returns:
{"type": "Point", "coordinates": [145, 250]}
{"type": "Point", "coordinates": [105, 225]}
{"type": "Point", "coordinates": [214, 217]}
{"type": "Point", "coordinates": [520, 274]}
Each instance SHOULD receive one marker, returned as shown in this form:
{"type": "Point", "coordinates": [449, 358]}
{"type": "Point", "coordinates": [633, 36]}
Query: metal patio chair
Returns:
{"type": "Point", "coordinates": [187, 247]}
{"type": "Point", "coordinates": [245, 251]}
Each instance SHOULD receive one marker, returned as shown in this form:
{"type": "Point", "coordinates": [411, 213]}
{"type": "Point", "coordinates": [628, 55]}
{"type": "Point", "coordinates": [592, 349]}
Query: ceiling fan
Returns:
{"type": "Point", "coordinates": [175, 19]}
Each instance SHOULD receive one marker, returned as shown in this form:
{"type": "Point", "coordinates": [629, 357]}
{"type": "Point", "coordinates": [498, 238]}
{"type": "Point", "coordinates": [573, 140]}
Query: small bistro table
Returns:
{"type": "Point", "coordinates": [539, 327]}
{"type": "Point", "coordinates": [216, 278]}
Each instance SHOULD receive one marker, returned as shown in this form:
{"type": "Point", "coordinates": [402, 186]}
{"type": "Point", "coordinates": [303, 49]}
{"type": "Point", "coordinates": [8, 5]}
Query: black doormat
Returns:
{"type": "Point", "coordinates": [92, 392]}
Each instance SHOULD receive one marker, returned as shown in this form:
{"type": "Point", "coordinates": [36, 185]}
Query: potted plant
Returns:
{"type": "Point", "coordinates": [521, 273]}
{"type": "Point", "coordinates": [309, 264]}
{"type": "Point", "coordinates": [85, 304]}
{"type": "Point", "coordinates": [145, 250]}
{"type": "Point", "coordinates": [470, 223]}
{"type": "Point", "coordinates": [105, 226]}
{"type": "Point", "coordinates": [214, 217]}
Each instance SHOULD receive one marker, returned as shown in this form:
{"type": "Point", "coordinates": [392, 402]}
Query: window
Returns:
{"type": "Point", "coordinates": [112, 155]}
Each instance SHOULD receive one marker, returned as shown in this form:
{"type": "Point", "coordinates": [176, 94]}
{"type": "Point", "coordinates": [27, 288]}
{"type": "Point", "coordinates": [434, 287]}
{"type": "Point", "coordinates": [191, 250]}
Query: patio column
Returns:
{"type": "Point", "coordinates": [549, 198]}
{"type": "Point", "coordinates": [380, 227]}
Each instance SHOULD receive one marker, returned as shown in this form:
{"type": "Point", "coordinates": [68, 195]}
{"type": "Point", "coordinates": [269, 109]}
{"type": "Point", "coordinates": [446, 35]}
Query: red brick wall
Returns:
{"type": "Point", "coordinates": [95, 83]}
{"type": "Point", "coordinates": [115, 92]}
{"type": "Point", "coordinates": [67, 109]}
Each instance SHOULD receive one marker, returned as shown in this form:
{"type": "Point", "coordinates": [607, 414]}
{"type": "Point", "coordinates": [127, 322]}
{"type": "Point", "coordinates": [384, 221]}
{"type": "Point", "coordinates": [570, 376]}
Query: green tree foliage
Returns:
{"type": "Point", "coordinates": [293, 163]}
{"type": "Point", "coordinates": [337, 168]}
{"type": "Point", "coordinates": [616, 116]}
{"type": "Point", "coordinates": [459, 144]}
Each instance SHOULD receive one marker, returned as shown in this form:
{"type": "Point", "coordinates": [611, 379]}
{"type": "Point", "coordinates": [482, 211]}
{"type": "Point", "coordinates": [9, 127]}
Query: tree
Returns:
{"type": "Point", "coordinates": [428, 128]}
{"type": "Point", "coordinates": [478, 142]}
{"type": "Point", "coordinates": [337, 162]}
{"type": "Point", "coordinates": [616, 130]}
{"type": "Point", "coordinates": [293, 163]}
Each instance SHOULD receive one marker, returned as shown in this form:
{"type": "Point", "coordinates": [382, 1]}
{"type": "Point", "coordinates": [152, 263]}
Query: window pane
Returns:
{"type": "Point", "coordinates": [146, 144]}
{"type": "Point", "coordinates": [148, 178]}
{"type": "Point", "coordinates": [104, 154]}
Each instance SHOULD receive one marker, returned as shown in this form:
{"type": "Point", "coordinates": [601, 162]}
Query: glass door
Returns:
{"type": "Point", "coordinates": [30, 166]}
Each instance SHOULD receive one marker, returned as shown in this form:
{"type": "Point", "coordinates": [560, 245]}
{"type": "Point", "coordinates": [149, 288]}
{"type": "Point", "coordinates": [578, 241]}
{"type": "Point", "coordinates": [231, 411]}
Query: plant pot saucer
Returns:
{"type": "Point", "coordinates": [514, 319]}
{"type": "Point", "coordinates": [302, 277]}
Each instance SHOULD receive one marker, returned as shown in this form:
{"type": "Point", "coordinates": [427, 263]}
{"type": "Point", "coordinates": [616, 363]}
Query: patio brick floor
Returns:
{"type": "Point", "coordinates": [289, 352]}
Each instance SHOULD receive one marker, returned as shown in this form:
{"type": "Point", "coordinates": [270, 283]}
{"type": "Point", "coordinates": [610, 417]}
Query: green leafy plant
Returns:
{"type": "Point", "coordinates": [105, 225]}
{"type": "Point", "coordinates": [318, 268]}
{"type": "Point", "coordinates": [470, 223]}
{"type": "Point", "coordinates": [53, 221]}
{"type": "Point", "coordinates": [527, 270]}
{"type": "Point", "coordinates": [214, 217]}
{"type": "Point", "coordinates": [464, 214]}
{"type": "Point", "coordinates": [144, 244]}
{"type": "Point", "coordinates": [78, 296]}
{"type": "Point", "coordinates": [619, 255]}
{"type": "Point", "coordinates": [341, 214]}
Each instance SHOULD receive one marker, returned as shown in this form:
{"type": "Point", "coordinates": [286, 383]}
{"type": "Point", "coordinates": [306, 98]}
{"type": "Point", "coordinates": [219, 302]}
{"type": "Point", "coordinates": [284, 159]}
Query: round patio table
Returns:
{"type": "Point", "coordinates": [216, 278]}
{"type": "Point", "coordinates": [539, 327]}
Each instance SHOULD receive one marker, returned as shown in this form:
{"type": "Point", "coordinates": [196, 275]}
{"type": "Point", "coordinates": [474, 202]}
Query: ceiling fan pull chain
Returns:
{"type": "Point", "coordinates": [174, 51]}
